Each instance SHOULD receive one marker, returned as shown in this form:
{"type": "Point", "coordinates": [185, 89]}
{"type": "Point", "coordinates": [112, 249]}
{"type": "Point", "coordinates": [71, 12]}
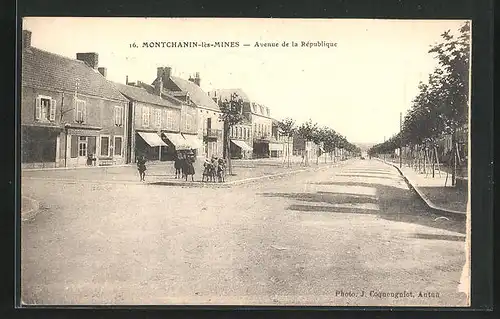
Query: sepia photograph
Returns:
{"type": "Point", "coordinates": [245, 161]}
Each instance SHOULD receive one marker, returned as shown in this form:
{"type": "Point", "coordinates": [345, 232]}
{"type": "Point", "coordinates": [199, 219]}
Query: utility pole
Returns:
{"type": "Point", "coordinates": [400, 140]}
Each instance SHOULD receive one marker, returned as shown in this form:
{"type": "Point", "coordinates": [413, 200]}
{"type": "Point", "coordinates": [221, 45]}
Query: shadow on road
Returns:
{"type": "Point", "coordinates": [327, 197]}
{"type": "Point", "coordinates": [367, 176]}
{"type": "Point", "coordinates": [440, 237]}
{"type": "Point", "coordinates": [395, 204]}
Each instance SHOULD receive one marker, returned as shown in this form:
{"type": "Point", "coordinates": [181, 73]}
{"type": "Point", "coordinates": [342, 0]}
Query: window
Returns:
{"type": "Point", "coordinates": [145, 116]}
{"type": "Point", "coordinates": [82, 146]}
{"type": "Point", "coordinates": [104, 145]}
{"type": "Point", "coordinates": [45, 108]}
{"type": "Point", "coordinates": [118, 115]}
{"type": "Point", "coordinates": [170, 120]}
{"type": "Point", "coordinates": [118, 145]}
{"type": "Point", "coordinates": [188, 122]}
{"type": "Point", "coordinates": [158, 118]}
{"type": "Point", "coordinates": [80, 111]}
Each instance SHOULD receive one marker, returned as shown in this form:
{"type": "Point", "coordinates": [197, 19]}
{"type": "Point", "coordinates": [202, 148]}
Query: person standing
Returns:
{"type": "Point", "coordinates": [178, 166]}
{"type": "Point", "coordinates": [141, 167]}
{"type": "Point", "coordinates": [189, 166]}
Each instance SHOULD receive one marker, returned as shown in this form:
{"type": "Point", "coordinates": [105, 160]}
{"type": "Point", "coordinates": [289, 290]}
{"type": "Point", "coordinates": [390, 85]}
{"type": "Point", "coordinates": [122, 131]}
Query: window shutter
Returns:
{"type": "Point", "coordinates": [84, 112]}
{"type": "Point", "coordinates": [52, 113]}
{"type": "Point", "coordinates": [75, 110]}
{"type": "Point", "coordinates": [74, 146]}
{"type": "Point", "coordinates": [38, 108]}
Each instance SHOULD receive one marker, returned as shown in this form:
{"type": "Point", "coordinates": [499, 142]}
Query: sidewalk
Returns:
{"type": "Point", "coordinates": [448, 199]}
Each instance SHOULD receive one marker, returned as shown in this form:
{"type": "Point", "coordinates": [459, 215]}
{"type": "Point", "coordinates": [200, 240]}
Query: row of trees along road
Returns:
{"type": "Point", "coordinates": [440, 109]}
{"type": "Point", "coordinates": [310, 132]}
{"type": "Point", "coordinates": [232, 114]}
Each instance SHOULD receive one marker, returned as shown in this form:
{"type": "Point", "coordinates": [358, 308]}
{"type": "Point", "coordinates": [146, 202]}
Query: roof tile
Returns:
{"type": "Point", "coordinates": [52, 71]}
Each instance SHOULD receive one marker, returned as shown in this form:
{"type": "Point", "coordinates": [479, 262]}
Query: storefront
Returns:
{"type": "Point", "coordinates": [276, 149]}
{"type": "Point", "coordinates": [261, 149]}
{"type": "Point", "coordinates": [40, 146]}
{"type": "Point", "coordinates": [149, 144]}
{"type": "Point", "coordinates": [175, 143]}
{"type": "Point", "coordinates": [240, 150]}
{"type": "Point", "coordinates": [195, 144]}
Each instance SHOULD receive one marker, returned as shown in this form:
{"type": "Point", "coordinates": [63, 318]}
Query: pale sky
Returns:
{"type": "Point", "coordinates": [358, 88]}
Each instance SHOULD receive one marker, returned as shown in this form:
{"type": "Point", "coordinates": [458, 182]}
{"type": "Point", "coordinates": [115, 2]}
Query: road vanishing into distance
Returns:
{"type": "Point", "coordinates": [349, 235]}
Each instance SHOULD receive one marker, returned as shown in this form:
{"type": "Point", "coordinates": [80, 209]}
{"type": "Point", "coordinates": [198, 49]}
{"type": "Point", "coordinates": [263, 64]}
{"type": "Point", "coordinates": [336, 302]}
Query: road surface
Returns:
{"type": "Point", "coordinates": [342, 236]}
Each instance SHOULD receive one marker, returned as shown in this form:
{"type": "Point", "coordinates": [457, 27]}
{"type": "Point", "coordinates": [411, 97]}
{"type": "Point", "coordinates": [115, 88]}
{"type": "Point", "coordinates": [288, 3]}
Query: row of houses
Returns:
{"type": "Point", "coordinates": [72, 115]}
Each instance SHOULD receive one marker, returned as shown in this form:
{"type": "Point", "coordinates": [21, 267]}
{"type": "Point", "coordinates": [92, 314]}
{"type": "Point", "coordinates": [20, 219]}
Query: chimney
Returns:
{"type": "Point", "coordinates": [167, 72]}
{"type": "Point", "coordinates": [126, 79]}
{"type": "Point", "coordinates": [26, 39]}
{"type": "Point", "coordinates": [103, 71]}
{"type": "Point", "coordinates": [159, 85]}
{"type": "Point", "coordinates": [159, 72]}
{"type": "Point", "coordinates": [90, 58]}
{"type": "Point", "coordinates": [197, 78]}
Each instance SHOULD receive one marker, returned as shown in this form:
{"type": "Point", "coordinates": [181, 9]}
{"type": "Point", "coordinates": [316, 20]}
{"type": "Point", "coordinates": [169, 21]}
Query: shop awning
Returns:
{"type": "Point", "coordinates": [193, 141]}
{"type": "Point", "coordinates": [244, 146]}
{"type": "Point", "coordinates": [178, 141]}
{"type": "Point", "coordinates": [152, 139]}
{"type": "Point", "coordinates": [275, 147]}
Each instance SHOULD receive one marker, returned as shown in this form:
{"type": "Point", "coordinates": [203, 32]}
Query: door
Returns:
{"type": "Point", "coordinates": [82, 150]}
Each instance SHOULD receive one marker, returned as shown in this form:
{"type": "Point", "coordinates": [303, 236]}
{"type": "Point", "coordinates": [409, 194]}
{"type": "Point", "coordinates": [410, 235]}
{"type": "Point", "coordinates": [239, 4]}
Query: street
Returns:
{"type": "Point", "coordinates": [352, 235]}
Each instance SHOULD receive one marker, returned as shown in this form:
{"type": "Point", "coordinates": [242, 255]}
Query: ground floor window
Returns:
{"type": "Point", "coordinates": [118, 145]}
{"type": "Point", "coordinates": [104, 145]}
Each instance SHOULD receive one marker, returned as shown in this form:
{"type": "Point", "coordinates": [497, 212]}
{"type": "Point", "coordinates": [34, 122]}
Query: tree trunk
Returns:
{"type": "Point", "coordinates": [453, 158]}
{"type": "Point", "coordinates": [228, 151]}
{"type": "Point", "coordinates": [288, 150]}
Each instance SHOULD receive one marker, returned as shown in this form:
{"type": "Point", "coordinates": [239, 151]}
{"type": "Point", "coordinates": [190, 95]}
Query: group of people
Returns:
{"type": "Point", "coordinates": [183, 165]}
{"type": "Point", "coordinates": [214, 170]}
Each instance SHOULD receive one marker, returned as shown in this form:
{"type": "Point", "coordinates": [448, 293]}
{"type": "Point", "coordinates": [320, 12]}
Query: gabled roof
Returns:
{"type": "Point", "coordinates": [52, 71]}
{"type": "Point", "coordinates": [141, 94]}
{"type": "Point", "coordinates": [196, 94]}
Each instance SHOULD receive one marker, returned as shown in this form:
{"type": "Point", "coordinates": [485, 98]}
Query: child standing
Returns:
{"type": "Point", "coordinates": [141, 167]}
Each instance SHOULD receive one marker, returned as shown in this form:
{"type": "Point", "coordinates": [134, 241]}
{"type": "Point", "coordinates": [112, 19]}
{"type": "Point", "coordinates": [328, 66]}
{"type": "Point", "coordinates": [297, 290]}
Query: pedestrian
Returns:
{"type": "Point", "coordinates": [141, 167]}
{"type": "Point", "coordinates": [177, 165]}
{"type": "Point", "coordinates": [189, 168]}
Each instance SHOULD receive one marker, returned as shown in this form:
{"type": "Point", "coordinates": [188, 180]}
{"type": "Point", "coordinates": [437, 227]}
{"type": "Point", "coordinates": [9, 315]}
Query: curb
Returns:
{"type": "Point", "coordinates": [427, 201]}
{"type": "Point", "coordinates": [239, 182]}
{"type": "Point", "coordinates": [31, 213]}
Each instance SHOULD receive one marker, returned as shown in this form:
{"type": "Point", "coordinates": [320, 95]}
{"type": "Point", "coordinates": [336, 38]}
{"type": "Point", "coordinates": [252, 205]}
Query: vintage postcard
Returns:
{"type": "Point", "coordinates": [312, 162]}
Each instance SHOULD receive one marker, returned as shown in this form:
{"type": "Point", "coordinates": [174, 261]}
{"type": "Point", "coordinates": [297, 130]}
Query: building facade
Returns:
{"type": "Point", "coordinates": [154, 128]}
{"type": "Point", "coordinates": [70, 114]}
{"type": "Point", "coordinates": [279, 142]}
{"type": "Point", "coordinates": [262, 123]}
{"type": "Point", "coordinates": [241, 134]}
{"type": "Point", "coordinates": [201, 116]}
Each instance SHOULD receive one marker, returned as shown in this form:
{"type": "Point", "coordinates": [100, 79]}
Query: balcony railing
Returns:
{"type": "Point", "coordinates": [213, 133]}
{"type": "Point", "coordinates": [261, 136]}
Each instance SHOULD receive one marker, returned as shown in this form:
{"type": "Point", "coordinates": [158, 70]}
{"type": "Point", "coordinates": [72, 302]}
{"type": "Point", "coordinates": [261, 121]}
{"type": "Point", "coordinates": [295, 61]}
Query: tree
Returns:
{"type": "Point", "coordinates": [287, 128]}
{"type": "Point", "coordinates": [307, 131]}
{"type": "Point", "coordinates": [320, 136]}
{"type": "Point", "coordinates": [232, 114]}
{"type": "Point", "coordinates": [442, 105]}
